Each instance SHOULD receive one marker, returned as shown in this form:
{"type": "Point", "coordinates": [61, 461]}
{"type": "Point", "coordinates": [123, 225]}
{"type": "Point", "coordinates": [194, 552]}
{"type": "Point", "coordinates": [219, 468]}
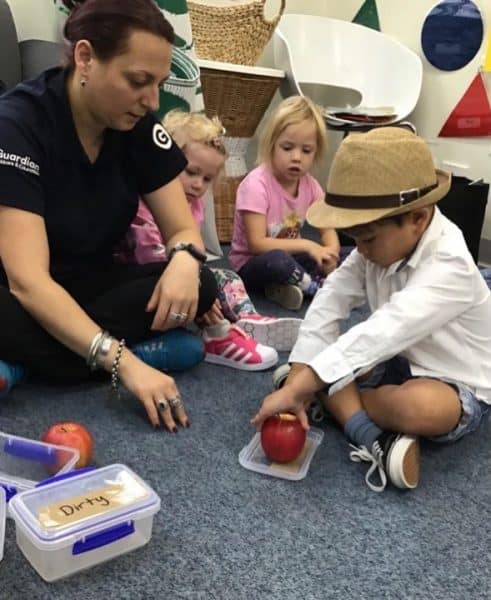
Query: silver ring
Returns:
{"type": "Point", "coordinates": [176, 401]}
{"type": "Point", "coordinates": [163, 404]}
{"type": "Point", "coordinates": [183, 316]}
{"type": "Point", "coordinates": [175, 316]}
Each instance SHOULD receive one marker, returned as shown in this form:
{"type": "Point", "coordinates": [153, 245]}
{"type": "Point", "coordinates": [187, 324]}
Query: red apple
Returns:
{"type": "Point", "coordinates": [282, 437]}
{"type": "Point", "coordinates": [73, 435]}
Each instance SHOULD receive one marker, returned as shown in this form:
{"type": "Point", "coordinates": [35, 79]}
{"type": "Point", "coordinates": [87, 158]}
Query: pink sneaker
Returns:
{"type": "Point", "coordinates": [239, 351]}
{"type": "Point", "coordinates": [279, 333]}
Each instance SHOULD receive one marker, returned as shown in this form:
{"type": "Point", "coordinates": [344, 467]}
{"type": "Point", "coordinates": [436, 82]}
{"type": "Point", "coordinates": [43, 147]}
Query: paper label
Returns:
{"type": "Point", "coordinates": [68, 511]}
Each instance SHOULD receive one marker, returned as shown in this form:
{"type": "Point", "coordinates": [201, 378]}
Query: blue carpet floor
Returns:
{"type": "Point", "coordinates": [227, 533]}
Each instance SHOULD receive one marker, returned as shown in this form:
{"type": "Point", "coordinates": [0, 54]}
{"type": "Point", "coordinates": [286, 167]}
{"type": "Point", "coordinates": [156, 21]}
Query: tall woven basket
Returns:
{"type": "Point", "coordinates": [239, 95]}
{"type": "Point", "coordinates": [235, 33]}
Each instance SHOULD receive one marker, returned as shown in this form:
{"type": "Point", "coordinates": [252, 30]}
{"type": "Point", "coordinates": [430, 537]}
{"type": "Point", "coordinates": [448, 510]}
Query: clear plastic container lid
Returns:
{"type": "Point", "coordinates": [83, 501]}
{"type": "Point", "coordinates": [252, 457]}
{"type": "Point", "coordinates": [3, 516]}
{"type": "Point", "coordinates": [25, 462]}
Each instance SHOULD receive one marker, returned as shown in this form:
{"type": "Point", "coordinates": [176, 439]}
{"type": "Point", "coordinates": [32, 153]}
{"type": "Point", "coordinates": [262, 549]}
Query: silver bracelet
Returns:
{"type": "Point", "coordinates": [99, 349]}
{"type": "Point", "coordinates": [92, 350]}
{"type": "Point", "coordinates": [103, 349]}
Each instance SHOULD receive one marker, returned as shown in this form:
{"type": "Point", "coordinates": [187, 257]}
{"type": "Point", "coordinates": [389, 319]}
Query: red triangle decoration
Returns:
{"type": "Point", "coordinates": [472, 115]}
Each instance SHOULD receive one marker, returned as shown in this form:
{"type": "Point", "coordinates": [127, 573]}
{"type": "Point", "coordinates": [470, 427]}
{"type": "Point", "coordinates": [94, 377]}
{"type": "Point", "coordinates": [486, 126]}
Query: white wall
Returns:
{"type": "Point", "coordinates": [441, 90]}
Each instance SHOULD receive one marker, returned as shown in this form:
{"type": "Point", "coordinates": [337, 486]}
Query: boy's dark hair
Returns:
{"type": "Point", "coordinates": [107, 24]}
{"type": "Point", "coordinates": [359, 229]}
{"type": "Point", "coordinates": [397, 219]}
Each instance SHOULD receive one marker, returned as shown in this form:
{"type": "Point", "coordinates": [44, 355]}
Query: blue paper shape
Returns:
{"type": "Point", "coordinates": [452, 34]}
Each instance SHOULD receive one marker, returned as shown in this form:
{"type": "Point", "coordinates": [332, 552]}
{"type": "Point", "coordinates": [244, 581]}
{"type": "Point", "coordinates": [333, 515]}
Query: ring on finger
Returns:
{"type": "Point", "coordinates": [176, 316]}
{"type": "Point", "coordinates": [176, 401]}
{"type": "Point", "coordinates": [163, 404]}
{"type": "Point", "coordinates": [183, 316]}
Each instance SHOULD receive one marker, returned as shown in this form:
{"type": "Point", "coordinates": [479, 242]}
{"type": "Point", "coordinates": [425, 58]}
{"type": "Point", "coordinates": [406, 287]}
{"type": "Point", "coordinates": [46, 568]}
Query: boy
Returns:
{"type": "Point", "coordinates": [420, 365]}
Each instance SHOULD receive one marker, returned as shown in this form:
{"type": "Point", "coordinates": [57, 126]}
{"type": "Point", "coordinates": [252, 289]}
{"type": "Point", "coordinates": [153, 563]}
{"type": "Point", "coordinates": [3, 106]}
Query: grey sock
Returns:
{"type": "Point", "coordinates": [218, 330]}
{"type": "Point", "coordinates": [361, 430]}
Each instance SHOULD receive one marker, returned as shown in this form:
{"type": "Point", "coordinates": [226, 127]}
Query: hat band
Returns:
{"type": "Point", "coordinates": [389, 201]}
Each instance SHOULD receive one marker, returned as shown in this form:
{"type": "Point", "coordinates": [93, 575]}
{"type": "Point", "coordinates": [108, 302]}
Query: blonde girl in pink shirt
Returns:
{"type": "Point", "coordinates": [267, 249]}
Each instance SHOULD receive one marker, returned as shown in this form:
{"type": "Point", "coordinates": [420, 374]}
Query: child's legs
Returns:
{"type": "Point", "coordinates": [232, 295]}
{"type": "Point", "coordinates": [423, 407]}
{"type": "Point", "coordinates": [275, 266]}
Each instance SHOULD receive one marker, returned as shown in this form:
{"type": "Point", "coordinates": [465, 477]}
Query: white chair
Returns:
{"type": "Point", "coordinates": [347, 66]}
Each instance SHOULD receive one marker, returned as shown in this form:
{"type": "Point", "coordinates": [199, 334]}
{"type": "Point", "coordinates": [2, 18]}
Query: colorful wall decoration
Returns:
{"type": "Point", "coordinates": [461, 21]}
{"type": "Point", "coordinates": [472, 115]}
{"type": "Point", "coordinates": [452, 34]}
{"type": "Point", "coordinates": [368, 15]}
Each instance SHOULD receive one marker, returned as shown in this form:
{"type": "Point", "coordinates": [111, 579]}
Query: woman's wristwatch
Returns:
{"type": "Point", "coordinates": [191, 248]}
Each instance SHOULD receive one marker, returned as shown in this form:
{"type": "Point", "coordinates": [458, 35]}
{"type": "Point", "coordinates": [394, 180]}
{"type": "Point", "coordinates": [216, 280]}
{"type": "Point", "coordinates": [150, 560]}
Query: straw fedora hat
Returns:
{"type": "Point", "coordinates": [387, 171]}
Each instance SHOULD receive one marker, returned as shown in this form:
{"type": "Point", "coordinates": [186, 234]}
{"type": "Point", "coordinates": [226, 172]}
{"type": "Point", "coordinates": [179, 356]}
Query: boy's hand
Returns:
{"type": "Point", "coordinates": [280, 401]}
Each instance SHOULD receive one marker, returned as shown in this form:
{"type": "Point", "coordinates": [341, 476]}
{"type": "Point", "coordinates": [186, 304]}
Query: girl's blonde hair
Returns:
{"type": "Point", "coordinates": [186, 127]}
{"type": "Point", "coordinates": [292, 111]}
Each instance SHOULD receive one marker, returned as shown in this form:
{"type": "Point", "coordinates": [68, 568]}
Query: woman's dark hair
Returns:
{"type": "Point", "coordinates": [107, 24]}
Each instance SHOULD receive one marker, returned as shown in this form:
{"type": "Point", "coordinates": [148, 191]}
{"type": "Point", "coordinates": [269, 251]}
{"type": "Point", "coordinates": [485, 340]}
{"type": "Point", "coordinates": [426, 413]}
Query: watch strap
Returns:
{"type": "Point", "coordinates": [190, 248]}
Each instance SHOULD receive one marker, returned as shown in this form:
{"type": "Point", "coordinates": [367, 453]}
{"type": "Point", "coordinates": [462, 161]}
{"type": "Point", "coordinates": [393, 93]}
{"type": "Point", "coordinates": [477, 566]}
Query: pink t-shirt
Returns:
{"type": "Point", "coordinates": [143, 242]}
{"type": "Point", "coordinates": [260, 192]}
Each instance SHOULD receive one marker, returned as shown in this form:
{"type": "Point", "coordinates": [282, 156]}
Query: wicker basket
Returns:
{"type": "Point", "coordinates": [224, 193]}
{"type": "Point", "coordinates": [239, 95]}
{"type": "Point", "coordinates": [235, 33]}
{"type": "Point", "coordinates": [240, 99]}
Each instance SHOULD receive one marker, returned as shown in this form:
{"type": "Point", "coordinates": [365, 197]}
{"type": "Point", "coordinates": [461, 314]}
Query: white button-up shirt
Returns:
{"type": "Point", "coordinates": [433, 308]}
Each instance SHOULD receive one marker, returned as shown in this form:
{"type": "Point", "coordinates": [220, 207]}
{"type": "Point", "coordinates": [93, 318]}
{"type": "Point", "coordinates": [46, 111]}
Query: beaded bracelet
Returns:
{"type": "Point", "coordinates": [115, 366]}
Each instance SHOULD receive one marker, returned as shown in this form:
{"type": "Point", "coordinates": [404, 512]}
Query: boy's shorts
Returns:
{"type": "Point", "coordinates": [396, 371]}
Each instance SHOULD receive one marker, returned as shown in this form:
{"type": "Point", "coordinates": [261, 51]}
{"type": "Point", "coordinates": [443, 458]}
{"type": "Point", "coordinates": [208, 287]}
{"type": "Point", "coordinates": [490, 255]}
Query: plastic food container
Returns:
{"type": "Point", "coordinates": [3, 516]}
{"type": "Point", "coordinates": [81, 519]}
{"type": "Point", "coordinates": [252, 457]}
{"type": "Point", "coordinates": [25, 462]}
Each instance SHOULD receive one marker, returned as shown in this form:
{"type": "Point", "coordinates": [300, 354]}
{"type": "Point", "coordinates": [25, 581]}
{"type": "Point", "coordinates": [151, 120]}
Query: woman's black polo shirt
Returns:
{"type": "Point", "coordinates": [44, 169]}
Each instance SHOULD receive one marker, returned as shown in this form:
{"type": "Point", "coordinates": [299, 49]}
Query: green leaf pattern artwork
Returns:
{"type": "Point", "coordinates": [183, 88]}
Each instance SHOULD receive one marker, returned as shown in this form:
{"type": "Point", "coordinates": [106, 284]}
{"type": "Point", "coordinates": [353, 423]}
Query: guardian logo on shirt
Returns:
{"type": "Point", "coordinates": [24, 163]}
{"type": "Point", "coordinates": [160, 137]}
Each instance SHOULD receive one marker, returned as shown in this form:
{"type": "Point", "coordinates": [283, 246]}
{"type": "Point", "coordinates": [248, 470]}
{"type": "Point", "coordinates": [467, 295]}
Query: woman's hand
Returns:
{"type": "Point", "coordinates": [175, 297]}
{"type": "Point", "coordinates": [156, 391]}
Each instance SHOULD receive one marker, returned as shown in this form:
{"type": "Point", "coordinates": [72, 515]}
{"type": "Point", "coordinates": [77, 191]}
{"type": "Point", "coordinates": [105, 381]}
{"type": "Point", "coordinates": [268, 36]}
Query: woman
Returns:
{"type": "Point", "coordinates": [79, 145]}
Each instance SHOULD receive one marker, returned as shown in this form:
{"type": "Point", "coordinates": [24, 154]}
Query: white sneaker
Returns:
{"type": "Point", "coordinates": [394, 456]}
{"type": "Point", "coordinates": [279, 333]}
{"type": "Point", "coordinates": [287, 295]}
